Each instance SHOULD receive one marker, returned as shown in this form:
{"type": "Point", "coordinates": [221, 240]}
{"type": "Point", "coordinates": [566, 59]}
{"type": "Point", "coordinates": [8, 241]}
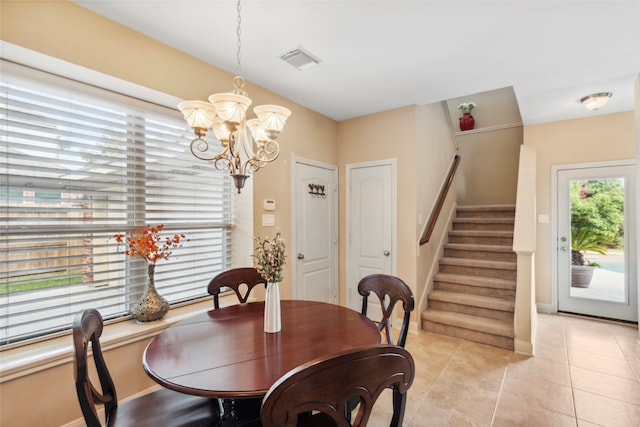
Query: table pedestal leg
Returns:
{"type": "Point", "coordinates": [239, 412]}
{"type": "Point", "coordinates": [228, 416]}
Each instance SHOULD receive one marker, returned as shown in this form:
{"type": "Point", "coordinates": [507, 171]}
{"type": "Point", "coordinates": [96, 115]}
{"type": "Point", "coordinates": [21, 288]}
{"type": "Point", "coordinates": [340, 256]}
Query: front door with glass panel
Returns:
{"type": "Point", "coordinates": [595, 242]}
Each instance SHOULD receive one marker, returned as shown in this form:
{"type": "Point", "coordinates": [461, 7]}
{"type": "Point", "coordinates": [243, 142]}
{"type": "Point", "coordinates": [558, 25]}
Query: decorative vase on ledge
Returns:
{"type": "Point", "coordinates": [467, 122]}
{"type": "Point", "coordinates": [272, 322]}
{"type": "Point", "coordinates": [151, 306]}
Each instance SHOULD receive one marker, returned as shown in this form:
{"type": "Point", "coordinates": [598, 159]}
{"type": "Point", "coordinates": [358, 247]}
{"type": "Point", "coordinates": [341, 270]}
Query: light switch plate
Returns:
{"type": "Point", "coordinates": [268, 220]}
{"type": "Point", "coordinates": [543, 219]}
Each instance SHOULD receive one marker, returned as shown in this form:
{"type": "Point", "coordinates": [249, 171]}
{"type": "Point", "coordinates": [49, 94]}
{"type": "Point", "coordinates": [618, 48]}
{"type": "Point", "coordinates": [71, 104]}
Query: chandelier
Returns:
{"type": "Point", "coordinates": [247, 145]}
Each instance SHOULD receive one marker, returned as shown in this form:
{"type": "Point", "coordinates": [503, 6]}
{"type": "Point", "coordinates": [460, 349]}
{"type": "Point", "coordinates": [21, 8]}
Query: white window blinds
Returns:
{"type": "Point", "coordinates": [77, 165]}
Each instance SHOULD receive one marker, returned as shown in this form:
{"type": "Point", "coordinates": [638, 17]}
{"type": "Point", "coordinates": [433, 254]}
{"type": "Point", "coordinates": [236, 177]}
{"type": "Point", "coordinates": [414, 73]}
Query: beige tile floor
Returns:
{"type": "Point", "coordinates": [585, 373]}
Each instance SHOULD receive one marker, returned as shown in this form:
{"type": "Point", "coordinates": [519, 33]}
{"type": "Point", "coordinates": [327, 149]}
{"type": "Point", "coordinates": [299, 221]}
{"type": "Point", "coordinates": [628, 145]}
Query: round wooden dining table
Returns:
{"type": "Point", "coordinates": [226, 354]}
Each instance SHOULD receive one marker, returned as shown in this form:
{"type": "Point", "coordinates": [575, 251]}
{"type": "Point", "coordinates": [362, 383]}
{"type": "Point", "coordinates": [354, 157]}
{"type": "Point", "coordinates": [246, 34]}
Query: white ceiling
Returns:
{"type": "Point", "coordinates": [380, 55]}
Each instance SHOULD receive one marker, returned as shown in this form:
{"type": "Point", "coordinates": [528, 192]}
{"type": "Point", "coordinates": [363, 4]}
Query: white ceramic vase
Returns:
{"type": "Point", "coordinates": [272, 322]}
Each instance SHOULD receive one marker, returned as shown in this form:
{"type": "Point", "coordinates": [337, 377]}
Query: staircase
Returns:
{"type": "Point", "coordinates": [473, 294]}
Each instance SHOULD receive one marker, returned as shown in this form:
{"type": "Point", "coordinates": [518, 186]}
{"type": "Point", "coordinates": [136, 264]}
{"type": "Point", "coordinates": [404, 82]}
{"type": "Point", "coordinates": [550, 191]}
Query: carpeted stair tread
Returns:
{"type": "Point", "coordinates": [481, 233]}
{"type": "Point", "coordinates": [487, 282]}
{"type": "Point", "coordinates": [478, 247]}
{"type": "Point", "coordinates": [479, 263]}
{"type": "Point", "coordinates": [474, 323]}
{"type": "Point", "coordinates": [485, 208]}
{"type": "Point", "coordinates": [508, 221]}
{"type": "Point", "coordinates": [481, 301]}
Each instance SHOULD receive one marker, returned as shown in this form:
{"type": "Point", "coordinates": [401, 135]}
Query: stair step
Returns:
{"type": "Point", "coordinates": [481, 237]}
{"type": "Point", "coordinates": [479, 267]}
{"type": "Point", "coordinates": [485, 282]}
{"type": "Point", "coordinates": [476, 251]}
{"type": "Point", "coordinates": [479, 248]}
{"type": "Point", "coordinates": [474, 323]}
{"type": "Point", "coordinates": [481, 301]}
{"type": "Point", "coordinates": [497, 224]}
{"type": "Point", "coordinates": [479, 263]}
{"type": "Point", "coordinates": [481, 233]}
{"type": "Point", "coordinates": [486, 208]}
{"type": "Point", "coordinates": [473, 328]}
{"type": "Point", "coordinates": [475, 285]}
{"type": "Point", "coordinates": [490, 211]}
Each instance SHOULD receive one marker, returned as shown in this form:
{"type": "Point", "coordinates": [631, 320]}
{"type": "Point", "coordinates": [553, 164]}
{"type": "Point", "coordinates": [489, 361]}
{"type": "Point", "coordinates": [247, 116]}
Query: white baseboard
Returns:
{"type": "Point", "coordinates": [545, 308]}
{"type": "Point", "coordinates": [523, 347]}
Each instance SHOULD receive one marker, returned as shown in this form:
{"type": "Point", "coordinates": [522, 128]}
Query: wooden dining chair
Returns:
{"type": "Point", "coordinates": [389, 290]}
{"type": "Point", "coordinates": [241, 280]}
{"type": "Point", "coordinates": [316, 393]}
{"type": "Point", "coordinates": [162, 407]}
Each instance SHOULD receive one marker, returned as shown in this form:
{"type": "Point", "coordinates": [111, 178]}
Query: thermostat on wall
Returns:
{"type": "Point", "coordinates": [269, 205]}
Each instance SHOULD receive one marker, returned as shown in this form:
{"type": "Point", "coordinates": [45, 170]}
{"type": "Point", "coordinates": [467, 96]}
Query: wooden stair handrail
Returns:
{"type": "Point", "coordinates": [441, 197]}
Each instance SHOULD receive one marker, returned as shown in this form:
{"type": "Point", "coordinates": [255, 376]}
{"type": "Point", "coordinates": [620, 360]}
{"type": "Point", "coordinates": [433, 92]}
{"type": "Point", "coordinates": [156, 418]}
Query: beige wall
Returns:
{"type": "Point", "coordinates": [434, 154]}
{"type": "Point", "coordinates": [494, 108]}
{"type": "Point", "coordinates": [601, 138]}
{"type": "Point", "coordinates": [489, 167]}
{"type": "Point", "coordinates": [489, 153]}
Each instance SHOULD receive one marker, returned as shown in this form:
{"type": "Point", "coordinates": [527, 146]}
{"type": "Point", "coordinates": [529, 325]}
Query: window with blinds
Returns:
{"type": "Point", "coordinates": [79, 164]}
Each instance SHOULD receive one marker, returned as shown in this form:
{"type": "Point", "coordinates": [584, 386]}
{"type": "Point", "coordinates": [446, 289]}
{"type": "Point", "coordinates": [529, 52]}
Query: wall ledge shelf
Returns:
{"type": "Point", "coordinates": [488, 129]}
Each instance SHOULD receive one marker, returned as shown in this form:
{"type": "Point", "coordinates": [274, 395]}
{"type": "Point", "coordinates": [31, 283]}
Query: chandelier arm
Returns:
{"type": "Point", "coordinates": [268, 152]}
{"type": "Point", "coordinates": [254, 165]}
{"type": "Point", "coordinates": [199, 148]}
{"type": "Point", "coordinates": [222, 164]}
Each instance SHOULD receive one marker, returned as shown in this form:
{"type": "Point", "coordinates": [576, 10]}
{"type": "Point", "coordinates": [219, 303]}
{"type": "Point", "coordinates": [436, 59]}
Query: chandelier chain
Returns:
{"type": "Point", "coordinates": [239, 33]}
{"type": "Point", "coordinates": [247, 145]}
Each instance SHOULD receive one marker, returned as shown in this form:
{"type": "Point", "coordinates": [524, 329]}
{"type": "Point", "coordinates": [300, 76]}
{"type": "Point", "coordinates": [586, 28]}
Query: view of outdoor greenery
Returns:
{"type": "Point", "coordinates": [41, 281]}
{"type": "Point", "coordinates": [598, 205]}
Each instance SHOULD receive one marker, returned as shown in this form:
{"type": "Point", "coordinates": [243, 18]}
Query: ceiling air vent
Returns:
{"type": "Point", "coordinates": [300, 58]}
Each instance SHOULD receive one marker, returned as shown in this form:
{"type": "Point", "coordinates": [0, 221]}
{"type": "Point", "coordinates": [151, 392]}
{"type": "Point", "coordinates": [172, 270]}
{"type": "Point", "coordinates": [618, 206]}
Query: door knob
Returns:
{"type": "Point", "coordinates": [386, 253]}
{"type": "Point", "coordinates": [563, 248]}
{"type": "Point", "coordinates": [300, 256]}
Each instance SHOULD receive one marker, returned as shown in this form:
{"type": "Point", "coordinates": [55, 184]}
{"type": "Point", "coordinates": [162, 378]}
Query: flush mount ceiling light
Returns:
{"type": "Point", "coordinates": [247, 145]}
{"type": "Point", "coordinates": [596, 101]}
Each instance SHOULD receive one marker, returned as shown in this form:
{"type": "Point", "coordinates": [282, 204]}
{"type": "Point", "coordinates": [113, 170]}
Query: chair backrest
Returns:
{"type": "Point", "coordinates": [240, 280]}
{"type": "Point", "coordinates": [327, 384]}
{"type": "Point", "coordinates": [87, 328]}
{"type": "Point", "coordinates": [389, 290]}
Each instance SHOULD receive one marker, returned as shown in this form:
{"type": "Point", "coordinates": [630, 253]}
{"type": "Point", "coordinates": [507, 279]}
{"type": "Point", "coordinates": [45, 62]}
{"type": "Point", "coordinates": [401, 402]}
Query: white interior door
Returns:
{"type": "Point", "coordinates": [370, 227]}
{"type": "Point", "coordinates": [612, 289]}
{"type": "Point", "coordinates": [315, 250]}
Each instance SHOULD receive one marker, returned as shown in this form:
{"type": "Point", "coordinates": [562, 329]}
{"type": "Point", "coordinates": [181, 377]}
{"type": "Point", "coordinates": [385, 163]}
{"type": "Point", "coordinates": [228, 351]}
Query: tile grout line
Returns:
{"type": "Point", "coordinates": [566, 352]}
{"type": "Point", "coordinates": [504, 377]}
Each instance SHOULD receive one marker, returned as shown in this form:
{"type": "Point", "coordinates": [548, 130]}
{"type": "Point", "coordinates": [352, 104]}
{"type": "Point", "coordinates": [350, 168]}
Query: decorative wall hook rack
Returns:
{"type": "Point", "coordinates": [317, 190]}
